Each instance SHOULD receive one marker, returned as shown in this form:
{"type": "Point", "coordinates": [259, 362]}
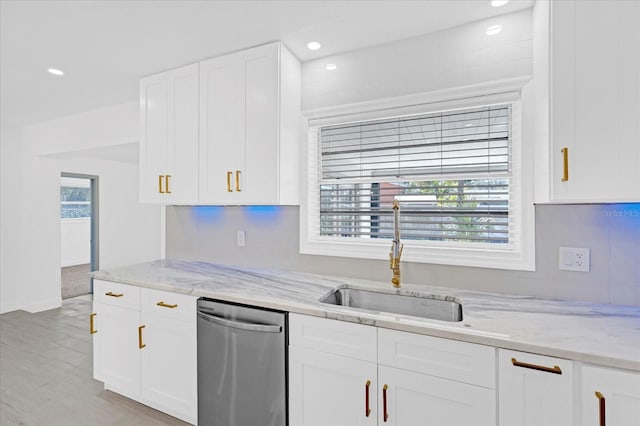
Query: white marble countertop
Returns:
{"type": "Point", "coordinates": [607, 335]}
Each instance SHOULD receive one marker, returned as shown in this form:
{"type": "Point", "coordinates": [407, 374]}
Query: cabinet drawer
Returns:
{"type": "Point", "coordinates": [533, 364]}
{"type": "Point", "coordinates": [449, 359]}
{"type": "Point", "coordinates": [338, 337]}
{"type": "Point", "coordinates": [168, 304]}
{"type": "Point", "coordinates": [116, 294]}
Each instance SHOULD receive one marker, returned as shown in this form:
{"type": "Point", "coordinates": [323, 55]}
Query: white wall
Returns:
{"type": "Point", "coordinates": [456, 57]}
{"type": "Point", "coordinates": [11, 219]}
{"type": "Point", "coordinates": [31, 266]}
{"type": "Point", "coordinates": [75, 241]}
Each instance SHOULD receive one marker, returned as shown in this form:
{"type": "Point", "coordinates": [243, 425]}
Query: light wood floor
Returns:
{"type": "Point", "coordinates": [75, 280]}
{"type": "Point", "coordinates": [46, 373]}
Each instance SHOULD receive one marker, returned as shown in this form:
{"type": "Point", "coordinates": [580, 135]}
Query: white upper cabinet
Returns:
{"type": "Point", "coordinates": [594, 99]}
{"type": "Point", "coordinates": [249, 127]}
{"type": "Point", "coordinates": [169, 137]}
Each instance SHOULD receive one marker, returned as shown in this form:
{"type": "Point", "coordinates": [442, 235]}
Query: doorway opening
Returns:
{"type": "Point", "coordinates": [78, 233]}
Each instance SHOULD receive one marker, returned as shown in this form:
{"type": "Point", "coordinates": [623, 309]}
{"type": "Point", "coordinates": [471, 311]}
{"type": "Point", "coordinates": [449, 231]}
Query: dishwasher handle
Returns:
{"type": "Point", "coordinates": [242, 325]}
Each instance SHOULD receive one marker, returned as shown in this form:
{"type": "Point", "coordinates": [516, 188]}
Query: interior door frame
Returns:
{"type": "Point", "coordinates": [95, 247]}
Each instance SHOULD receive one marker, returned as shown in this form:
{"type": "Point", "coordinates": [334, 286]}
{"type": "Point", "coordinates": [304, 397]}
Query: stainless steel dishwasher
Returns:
{"type": "Point", "coordinates": [242, 366]}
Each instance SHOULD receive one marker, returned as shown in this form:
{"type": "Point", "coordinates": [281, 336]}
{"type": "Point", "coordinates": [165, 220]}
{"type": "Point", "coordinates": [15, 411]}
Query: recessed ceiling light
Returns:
{"type": "Point", "coordinates": [498, 3]}
{"type": "Point", "coordinates": [55, 71]}
{"type": "Point", "coordinates": [331, 67]}
{"type": "Point", "coordinates": [313, 45]}
{"type": "Point", "coordinates": [493, 30]}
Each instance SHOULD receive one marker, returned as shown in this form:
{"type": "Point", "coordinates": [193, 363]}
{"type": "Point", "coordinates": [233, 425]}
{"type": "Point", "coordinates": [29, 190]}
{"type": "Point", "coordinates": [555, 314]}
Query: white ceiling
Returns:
{"type": "Point", "coordinates": [105, 46]}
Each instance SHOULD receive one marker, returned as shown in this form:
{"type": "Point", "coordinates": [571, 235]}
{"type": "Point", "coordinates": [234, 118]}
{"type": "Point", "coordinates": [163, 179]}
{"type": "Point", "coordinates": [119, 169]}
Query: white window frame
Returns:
{"type": "Point", "coordinates": [519, 256]}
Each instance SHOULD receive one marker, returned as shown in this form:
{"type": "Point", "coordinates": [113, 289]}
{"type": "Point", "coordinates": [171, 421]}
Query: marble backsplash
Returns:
{"type": "Point", "coordinates": [611, 231]}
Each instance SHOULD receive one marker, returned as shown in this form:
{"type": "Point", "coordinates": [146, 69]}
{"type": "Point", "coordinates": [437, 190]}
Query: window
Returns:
{"type": "Point", "coordinates": [449, 171]}
{"type": "Point", "coordinates": [75, 202]}
{"type": "Point", "coordinates": [455, 172]}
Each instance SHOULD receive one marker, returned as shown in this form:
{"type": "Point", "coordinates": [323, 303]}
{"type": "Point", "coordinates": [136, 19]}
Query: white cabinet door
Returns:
{"type": "Point", "coordinates": [169, 360]}
{"type": "Point", "coordinates": [259, 178]}
{"type": "Point", "coordinates": [534, 390]}
{"type": "Point", "coordinates": [414, 399]}
{"type": "Point", "coordinates": [330, 390]}
{"type": "Point", "coordinates": [169, 136]}
{"type": "Point", "coordinates": [249, 127]}
{"type": "Point", "coordinates": [610, 397]}
{"type": "Point", "coordinates": [221, 128]}
{"type": "Point", "coordinates": [595, 100]}
{"type": "Point", "coordinates": [118, 352]}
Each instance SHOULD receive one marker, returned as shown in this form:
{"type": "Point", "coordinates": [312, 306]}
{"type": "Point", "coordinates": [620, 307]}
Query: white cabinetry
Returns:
{"type": "Point", "coordinates": [169, 137]}
{"type": "Point", "coordinates": [332, 372]}
{"type": "Point", "coordinates": [249, 127]}
{"type": "Point", "coordinates": [145, 346]}
{"type": "Point", "coordinates": [534, 390]}
{"type": "Point", "coordinates": [610, 397]}
{"type": "Point", "coordinates": [594, 100]}
{"type": "Point", "coordinates": [336, 368]}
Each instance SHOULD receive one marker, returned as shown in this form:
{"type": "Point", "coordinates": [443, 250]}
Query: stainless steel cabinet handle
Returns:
{"type": "Point", "coordinates": [264, 328]}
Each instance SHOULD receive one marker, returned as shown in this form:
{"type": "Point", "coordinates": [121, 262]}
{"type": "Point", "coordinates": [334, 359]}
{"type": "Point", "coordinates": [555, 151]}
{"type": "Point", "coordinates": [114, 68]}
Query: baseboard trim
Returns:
{"type": "Point", "coordinates": [10, 306]}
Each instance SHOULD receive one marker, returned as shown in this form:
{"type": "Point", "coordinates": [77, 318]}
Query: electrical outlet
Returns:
{"type": "Point", "coordinates": [241, 237]}
{"type": "Point", "coordinates": [574, 259]}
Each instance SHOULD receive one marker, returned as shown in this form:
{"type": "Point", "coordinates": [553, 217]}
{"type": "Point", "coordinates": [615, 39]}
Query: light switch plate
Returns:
{"type": "Point", "coordinates": [241, 238]}
{"type": "Point", "coordinates": [574, 259]}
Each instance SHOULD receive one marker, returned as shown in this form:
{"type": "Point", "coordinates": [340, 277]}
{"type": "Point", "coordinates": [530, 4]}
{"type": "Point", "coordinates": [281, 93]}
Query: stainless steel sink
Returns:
{"type": "Point", "coordinates": [398, 303]}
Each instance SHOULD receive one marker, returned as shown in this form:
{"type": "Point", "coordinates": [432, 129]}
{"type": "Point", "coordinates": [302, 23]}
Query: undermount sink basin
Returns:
{"type": "Point", "coordinates": [398, 303]}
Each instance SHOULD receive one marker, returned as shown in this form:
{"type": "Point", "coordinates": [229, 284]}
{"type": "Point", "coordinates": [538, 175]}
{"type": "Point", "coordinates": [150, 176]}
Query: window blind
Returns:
{"type": "Point", "coordinates": [450, 172]}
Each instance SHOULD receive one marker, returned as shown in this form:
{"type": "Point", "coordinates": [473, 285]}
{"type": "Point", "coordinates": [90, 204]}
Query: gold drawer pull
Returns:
{"type": "Point", "coordinates": [602, 402]}
{"type": "Point", "coordinates": [238, 181]}
{"type": "Point", "coordinates": [140, 344]}
{"type": "Point", "coordinates": [112, 294]}
{"type": "Point", "coordinates": [229, 181]}
{"type": "Point", "coordinates": [165, 305]}
{"type": "Point", "coordinates": [166, 180]}
{"type": "Point", "coordinates": [92, 330]}
{"type": "Point", "coordinates": [160, 177]}
{"type": "Point", "coordinates": [385, 413]}
{"type": "Point", "coordinates": [367, 410]}
{"type": "Point", "coordinates": [565, 164]}
{"type": "Point", "coordinates": [555, 369]}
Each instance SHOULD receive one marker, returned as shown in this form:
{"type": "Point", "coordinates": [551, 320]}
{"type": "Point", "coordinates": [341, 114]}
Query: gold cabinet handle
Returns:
{"type": "Point", "coordinates": [367, 410]}
{"type": "Point", "coordinates": [166, 184]}
{"type": "Point", "coordinates": [92, 329]}
{"type": "Point", "coordinates": [238, 181]}
{"type": "Point", "coordinates": [160, 178]}
{"type": "Point", "coordinates": [112, 294]}
{"type": "Point", "coordinates": [555, 369]}
{"type": "Point", "coordinates": [140, 344]}
{"type": "Point", "coordinates": [565, 164]}
{"type": "Point", "coordinates": [602, 403]}
{"type": "Point", "coordinates": [229, 181]}
{"type": "Point", "coordinates": [385, 413]}
{"type": "Point", "coordinates": [164, 305]}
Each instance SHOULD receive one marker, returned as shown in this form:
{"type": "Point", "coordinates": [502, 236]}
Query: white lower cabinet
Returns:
{"type": "Point", "coordinates": [328, 389]}
{"type": "Point", "coordinates": [414, 399]}
{"type": "Point", "coordinates": [116, 327]}
{"type": "Point", "coordinates": [145, 346]}
{"type": "Point", "coordinates": [609, 397]}
{"type": "Point", "coordinates": [534, 390]}
{"type": "Point", "coordinates": [331, 383]}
